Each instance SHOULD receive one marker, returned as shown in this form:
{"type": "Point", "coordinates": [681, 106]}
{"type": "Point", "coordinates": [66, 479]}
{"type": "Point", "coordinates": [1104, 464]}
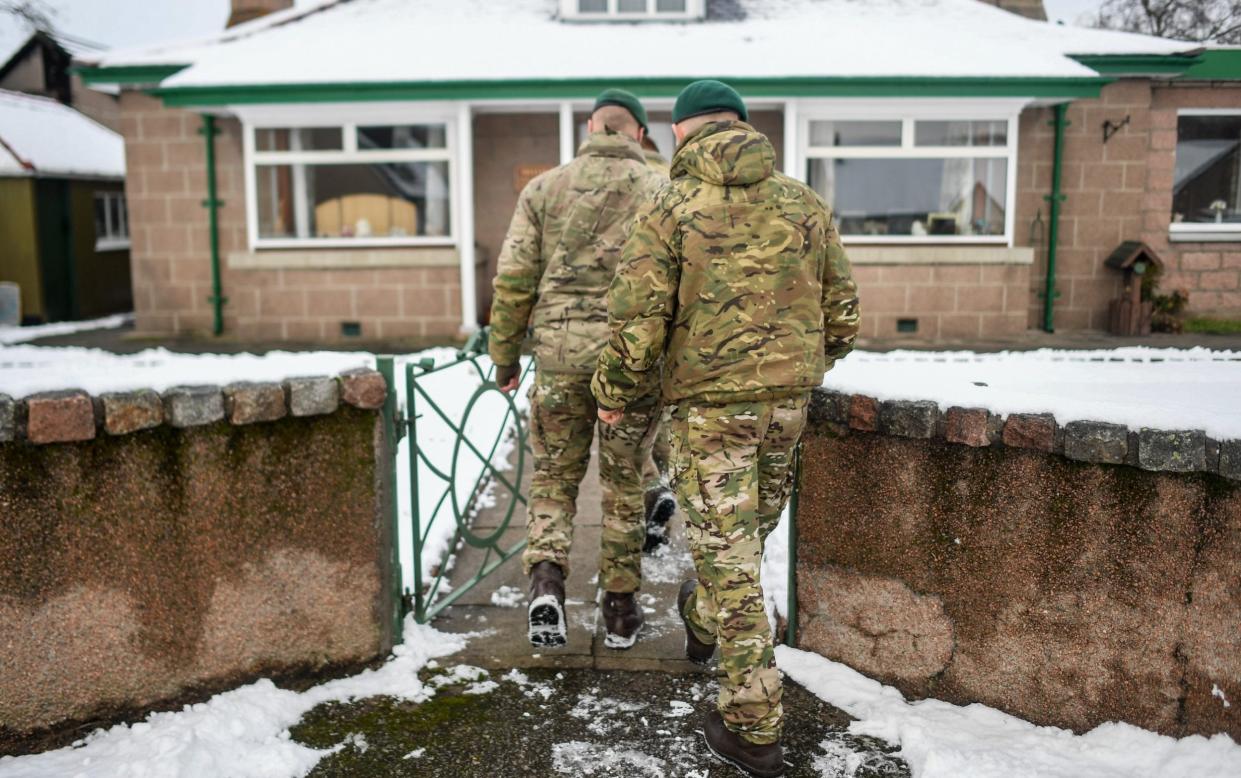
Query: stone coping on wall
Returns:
{"type": "Point", "coordinates": [72, 415]}
{"type": "Point", "coordinates": [1174, 451]}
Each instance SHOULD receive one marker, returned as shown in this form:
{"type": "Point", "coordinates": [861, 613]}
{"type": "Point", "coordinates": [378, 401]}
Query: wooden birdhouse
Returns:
{"type": "Point", "coordinates": [1129, 314]}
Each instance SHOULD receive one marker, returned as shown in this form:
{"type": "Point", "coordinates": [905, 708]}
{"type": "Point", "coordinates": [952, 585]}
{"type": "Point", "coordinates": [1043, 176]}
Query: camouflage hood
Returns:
{"type": "Point", "coordinates": [725, 154]}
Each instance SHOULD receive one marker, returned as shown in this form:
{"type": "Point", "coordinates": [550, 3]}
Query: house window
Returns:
{"type": "Point", "coordinates": [1206, 184]}
{"type": "Point", "coordinates": [351, 185]}
{"type": "Point", "coordinates": [631, 10]}
{"type": "Point", "coordinates": [111, 222]}
{"type": "Point", "coordinates": [901, 179]}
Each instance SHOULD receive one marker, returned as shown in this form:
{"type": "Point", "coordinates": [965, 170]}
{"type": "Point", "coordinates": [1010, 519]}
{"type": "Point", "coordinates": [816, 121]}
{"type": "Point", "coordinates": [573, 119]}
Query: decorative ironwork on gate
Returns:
{"type": "Point", "coordinates": [433, 474]}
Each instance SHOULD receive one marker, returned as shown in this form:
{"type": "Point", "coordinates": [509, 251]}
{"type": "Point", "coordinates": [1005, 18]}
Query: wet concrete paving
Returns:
{"type": "Point", "coordinates": [575, 722]}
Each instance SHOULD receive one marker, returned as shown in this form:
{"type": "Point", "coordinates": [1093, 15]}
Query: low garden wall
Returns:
{"type": "Point", "coordinates": [1069, 575]}
{"type": "Point", "coordinates": [155, 548]}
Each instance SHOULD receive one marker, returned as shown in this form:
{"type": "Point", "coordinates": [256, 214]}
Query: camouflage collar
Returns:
{"type": "Point", "coordinates": [711, 128]}
{"type": "Point", "coordinates": [726, 153]}
{"type": "Point", "coordinates": [609, 143]}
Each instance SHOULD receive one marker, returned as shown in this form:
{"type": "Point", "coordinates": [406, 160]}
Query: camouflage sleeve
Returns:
{"type": "Point", "coordinates": [840, 300]}
{"type": "Point", "coordinates": [516, 284]}
{"type": "Point", "coordinates": [641, 304]}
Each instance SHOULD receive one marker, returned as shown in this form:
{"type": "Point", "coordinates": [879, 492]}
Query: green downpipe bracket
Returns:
{"type": "Point", "coordinates": [212, 204]}
{"type": "Point", "coordinates": [1053, 230]}
{"type": "Point", "coordinates": [790, 628]}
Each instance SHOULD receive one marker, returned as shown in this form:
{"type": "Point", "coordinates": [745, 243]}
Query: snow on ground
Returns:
{"type": "Point", "coordinates": [1140, 387]}
{"type": "Point", "coordinates": [243, 733]}
{"type": "Point", "coordinates": [23, 334]}
{"type": "Point", "coordinates": [941, 740]}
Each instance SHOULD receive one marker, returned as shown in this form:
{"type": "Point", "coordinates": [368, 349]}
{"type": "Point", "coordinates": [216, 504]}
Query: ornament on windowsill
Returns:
{"type": "Point", "coordinates": [364, 228]}
{"type": "Point", "coordinates": [1219, 206]}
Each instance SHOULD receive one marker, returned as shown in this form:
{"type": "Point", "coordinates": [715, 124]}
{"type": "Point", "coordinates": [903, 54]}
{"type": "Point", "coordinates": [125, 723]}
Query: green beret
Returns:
{"type": "Point", "coordinates": [625, 100]}
{"type": "Point", "coordinates": [708, 96]}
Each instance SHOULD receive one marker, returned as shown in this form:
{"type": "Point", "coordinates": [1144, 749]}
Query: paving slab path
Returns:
{"type": "Point", "coordinates": [503, 709]}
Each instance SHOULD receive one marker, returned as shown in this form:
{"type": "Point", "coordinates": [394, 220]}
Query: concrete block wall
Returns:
{"type": "Point", "coordinates": [1070, 575]}
{"type": "Point", "coordinates": [166, 186]}
{"type": "Point", "coordinates": [1117, 191]}
{"type": "Point", "coordinates": [948, 300]}
{"type": "Point", "coordinates": [159, 547]}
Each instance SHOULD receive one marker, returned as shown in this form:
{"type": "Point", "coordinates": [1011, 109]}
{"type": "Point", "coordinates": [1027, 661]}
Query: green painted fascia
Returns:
{"type": "Point", "coordinates": [1169, 65]}
{"type": "Point", "coordinates": [1216, 65]}
{"type": "Point", "coordinates": [122, 75]}
{"type": "Point", "coordinates": [911, 86]}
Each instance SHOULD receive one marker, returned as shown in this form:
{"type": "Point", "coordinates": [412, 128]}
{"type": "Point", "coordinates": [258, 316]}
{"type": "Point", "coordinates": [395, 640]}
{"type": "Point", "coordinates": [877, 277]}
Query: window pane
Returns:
{"type": "Point", "coordinates": [592, 6]}
{"type": "Point", "coordinates": [116, 215]}
{"type": "Point", "coordinates": [301, 139]}
{"type": "Point", "coordinates": [123, 224]}
{"type": "Point", "coordinates": [1206, 187]}
{"type": "Point", "coordinates": [914, 196]}
{"type": "Point", "coordinates": [961, 133]}
{"type": "Point", "coordinates": [855, 133]}
{"type": "Point", "coordinates": [354, 201]}
{"type": "Point", "coordinates": [101, 216]}
{"type": "Point", "coordinates": [631, 6]}
{"type": "Point", "coordinates": [670, 6]}
{"type": "Point", "coordinates": [417, 136]}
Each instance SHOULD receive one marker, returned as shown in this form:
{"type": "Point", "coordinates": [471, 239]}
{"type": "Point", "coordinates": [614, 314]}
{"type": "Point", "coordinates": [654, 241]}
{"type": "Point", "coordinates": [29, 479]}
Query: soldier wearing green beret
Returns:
{"type": "Point", "coordinates": [554, 270]}
{"type": "Point", "coordinates": [734, 278]}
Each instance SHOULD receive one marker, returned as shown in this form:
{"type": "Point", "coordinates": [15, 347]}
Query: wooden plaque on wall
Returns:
{"type": "Point", "coordinates": [524, 174]}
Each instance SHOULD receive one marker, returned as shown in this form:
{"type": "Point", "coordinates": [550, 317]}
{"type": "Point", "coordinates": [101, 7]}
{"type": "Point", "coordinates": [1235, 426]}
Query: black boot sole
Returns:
{"type": "Point", "coordinates": [547, 623]}
{"type": "Point", "coordinates": [737, 764]}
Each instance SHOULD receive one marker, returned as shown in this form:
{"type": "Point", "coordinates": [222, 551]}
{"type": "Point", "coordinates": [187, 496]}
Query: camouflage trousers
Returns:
{"type": "Point", "coordinates": [733, 473]}
{"type": "Point", "coordinates": [563, 418]}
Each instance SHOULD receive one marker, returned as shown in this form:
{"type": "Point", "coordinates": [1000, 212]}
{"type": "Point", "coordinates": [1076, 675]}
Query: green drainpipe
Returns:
{"type": "Point", "coordinates": [212, 204]}
{"type": "Point", "coordinates": [1053, 230]}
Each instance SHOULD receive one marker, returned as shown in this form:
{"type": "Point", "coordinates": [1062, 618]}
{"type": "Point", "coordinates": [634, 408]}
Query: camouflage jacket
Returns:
{"type": "Point", "coordinates": [561, 252]}
{"type": "Point", "coordinates": [656, 162]}
{"type": "Point", "coordinates": [734, 275]}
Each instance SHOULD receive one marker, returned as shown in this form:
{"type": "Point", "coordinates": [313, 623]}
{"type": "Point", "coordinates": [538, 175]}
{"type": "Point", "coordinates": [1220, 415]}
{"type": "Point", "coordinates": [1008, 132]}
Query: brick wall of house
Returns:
{"type": "Point", "coordinates": [1116, 191]}
{"type": "Point", "coordinates": [948, 301]}
{"type": "Point", "coordinates": [166, 184]}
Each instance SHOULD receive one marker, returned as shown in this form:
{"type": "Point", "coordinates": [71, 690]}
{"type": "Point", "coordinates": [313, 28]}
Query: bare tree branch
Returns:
{"type": "Point", "coordinates": [33, 14]}
{"type": "Point", "coordinates": [1216, 21]}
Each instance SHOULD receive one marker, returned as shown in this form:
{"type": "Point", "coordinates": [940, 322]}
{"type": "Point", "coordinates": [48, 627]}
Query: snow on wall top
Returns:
{"type": "Point", "coordinates": [467, 40]}
{"type": "Point", "coordinates": [41, 137]}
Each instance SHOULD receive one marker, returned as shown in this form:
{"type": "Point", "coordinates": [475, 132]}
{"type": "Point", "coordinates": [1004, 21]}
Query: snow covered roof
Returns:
{"type": "Point", "coordinates": [427, 41]}
{"type": "Point", "coordinates": [41, 137]}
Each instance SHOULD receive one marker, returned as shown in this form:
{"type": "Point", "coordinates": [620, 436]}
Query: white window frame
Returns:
{"type": "Point", "coordinates": [329, 116]}
{"type": "Point", "coordinates": [908, 112]}
{"type": "Point", "coordinates": [113, 239]}
{"type": "Point", "coordinates": [1203, 232]}
{"type": "Point", "coordinates": [694, 9]}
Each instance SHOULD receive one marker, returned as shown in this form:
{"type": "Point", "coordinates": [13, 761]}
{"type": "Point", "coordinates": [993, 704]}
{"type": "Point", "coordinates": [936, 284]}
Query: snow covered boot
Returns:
{"type": "Point", "coordinates": [622, 619]}
{"type": "Point", "coordinates": [546, 613]}
{"type": "Point", "coordinates": [762, 761]}
{"type": "Point", "coordinates": [695, 650]}
{"type": "Point", "coordinates": [660, 505]}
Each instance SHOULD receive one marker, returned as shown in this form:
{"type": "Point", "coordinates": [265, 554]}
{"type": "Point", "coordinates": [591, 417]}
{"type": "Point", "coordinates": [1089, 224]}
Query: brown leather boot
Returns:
{"type": "Point", "coordinates": [766, 761]}
{"type": "Point", "coordinates": [622, 619]}
{"type": "Point", "coordinates": [695, 650]}
{"type": "Point", "coordinates": [546, 612]}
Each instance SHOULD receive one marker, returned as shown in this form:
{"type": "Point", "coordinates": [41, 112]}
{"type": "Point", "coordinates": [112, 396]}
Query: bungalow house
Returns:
{"type": "Point", "coordinates": [349, 169]}
{"type": "Point", "coordinates": [64, 239]}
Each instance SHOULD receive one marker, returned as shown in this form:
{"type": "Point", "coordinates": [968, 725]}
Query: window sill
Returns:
{"type": "Point", "coordinates": [1208, 233]}
{"type": "Point", "coordinates": [104, 246]}
{"type": "Point", "coordinates": [337, 259]}
{"type": "Point", "coordinates": [958, 254]}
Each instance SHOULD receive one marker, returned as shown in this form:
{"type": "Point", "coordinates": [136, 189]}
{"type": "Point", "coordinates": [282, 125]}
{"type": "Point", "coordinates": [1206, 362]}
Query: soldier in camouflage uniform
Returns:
{"type": "Point", "coordinates": [659, 499]}
{"type": "Point", "coordinates": [735, 278]}
{"type": "Point", "coordinates": [554, 271]}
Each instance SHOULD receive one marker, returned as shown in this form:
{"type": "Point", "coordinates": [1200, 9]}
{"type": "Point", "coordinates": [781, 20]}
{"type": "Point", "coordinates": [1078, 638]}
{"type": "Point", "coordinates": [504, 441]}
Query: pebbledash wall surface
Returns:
{"type": "Point", "coordinates": [1069, 575]}
{"type": "Point", "coordinates": [155, 549]}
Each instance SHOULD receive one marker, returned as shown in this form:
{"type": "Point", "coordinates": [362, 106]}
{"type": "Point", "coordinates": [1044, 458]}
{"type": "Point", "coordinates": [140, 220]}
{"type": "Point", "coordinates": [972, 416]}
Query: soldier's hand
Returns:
{"type": "Point", "coordinates": [611, 418]}
{"type": "Point", "coordinates": [507, 377]}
